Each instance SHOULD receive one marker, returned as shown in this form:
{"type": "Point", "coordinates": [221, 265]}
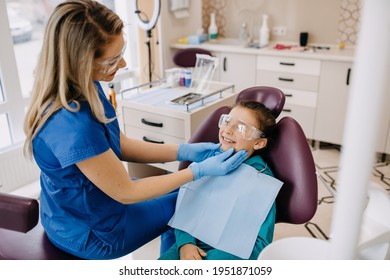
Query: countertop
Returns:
{"type": "Point", "coordinates": [234, 46]}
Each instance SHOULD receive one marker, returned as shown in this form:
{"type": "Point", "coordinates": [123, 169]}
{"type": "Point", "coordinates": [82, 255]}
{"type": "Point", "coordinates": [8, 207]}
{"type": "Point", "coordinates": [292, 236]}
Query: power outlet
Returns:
{"type": "Point", "coordinates": [279, 31]}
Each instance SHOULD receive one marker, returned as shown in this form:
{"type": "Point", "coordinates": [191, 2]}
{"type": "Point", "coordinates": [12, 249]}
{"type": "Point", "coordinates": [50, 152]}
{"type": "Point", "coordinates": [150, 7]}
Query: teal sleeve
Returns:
{"type": "Point", "coordinates": [266, 233]}
{"type": "Point", "coordinates": [183, 238]}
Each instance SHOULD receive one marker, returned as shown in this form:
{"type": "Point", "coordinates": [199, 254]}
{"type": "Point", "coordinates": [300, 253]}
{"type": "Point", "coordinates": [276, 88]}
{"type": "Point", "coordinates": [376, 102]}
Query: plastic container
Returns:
{"type": "Point", "coordinates": [264, 32]}
{"type": "Point", "coordinates": [213, 29]}
{"type": "Point", "coordinates": [203, 72]}
{"type": "Point", "coordinates": [182, 82]}
{"type": "Point", "coordinates": [243, 35]}
{"type": "Point", "coordinates": [187, 78]}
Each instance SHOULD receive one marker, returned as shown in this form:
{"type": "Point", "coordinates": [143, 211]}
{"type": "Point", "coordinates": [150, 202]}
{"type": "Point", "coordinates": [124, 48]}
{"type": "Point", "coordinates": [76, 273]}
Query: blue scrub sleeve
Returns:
{"type": "Point", "coordinates": [76, 136]}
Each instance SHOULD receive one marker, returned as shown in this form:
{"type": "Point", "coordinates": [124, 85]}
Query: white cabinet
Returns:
{"type": "Point", "coordinates": [298, 78]}
{"type": "Point", "coordinates": [332, 101]}
{"type": "Point", "coordinates": [235, 68]}
{"type": "Point", "coordinates": [149, 116]}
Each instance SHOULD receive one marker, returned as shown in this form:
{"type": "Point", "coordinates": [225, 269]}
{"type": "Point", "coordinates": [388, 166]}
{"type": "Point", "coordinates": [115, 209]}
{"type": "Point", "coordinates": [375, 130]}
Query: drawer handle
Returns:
{"type": "Point", "coordinates": [287, 110]}
{"type": "Point", "coordinates": [287, 63]}
{"type": "Point", "coordinates": [286, 79]}
{"type": "Point", "coordinates": [146, 139]}
{"type": "Point", "coordinates": [348, 76]}
{"type": "Point", "coordinates": [151, 123]}
{"type": "Point", "coordinates": [224, 64]}
{"type": "Point", "coordinates": [288, 95]}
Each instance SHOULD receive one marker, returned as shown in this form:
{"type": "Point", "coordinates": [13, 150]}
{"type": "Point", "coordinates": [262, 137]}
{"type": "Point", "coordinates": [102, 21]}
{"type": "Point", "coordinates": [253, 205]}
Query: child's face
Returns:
{"type": "Point", "coordinates": [230, 137]}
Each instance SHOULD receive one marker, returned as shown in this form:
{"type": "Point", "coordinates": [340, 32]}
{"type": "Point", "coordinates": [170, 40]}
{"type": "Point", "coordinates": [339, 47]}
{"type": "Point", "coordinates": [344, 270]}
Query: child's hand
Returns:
{"type": "Point", "coordinates": [191, 252]}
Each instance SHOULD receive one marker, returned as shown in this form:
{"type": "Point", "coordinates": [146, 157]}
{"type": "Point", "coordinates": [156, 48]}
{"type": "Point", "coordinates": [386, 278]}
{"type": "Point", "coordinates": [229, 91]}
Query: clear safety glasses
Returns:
{"type": "Point", "coordinates": [110, 64]}
{"type": "Point", "coordinates": [244, 130]}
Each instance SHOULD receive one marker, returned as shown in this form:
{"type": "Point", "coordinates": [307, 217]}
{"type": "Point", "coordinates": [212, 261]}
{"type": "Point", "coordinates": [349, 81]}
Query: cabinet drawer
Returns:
{"type": "Point", "coordinates": [305, 116]}
{"type": "Point", "coordinates": [151, 136]}
{"type": "Point", "coordinates": [300, 97]}
{"type": "Point", "coordinates": [287, 80]}
{"type": "Point", "coordinates": [289, 65]}
{"type": "Point", "coordinates": [154, 122]}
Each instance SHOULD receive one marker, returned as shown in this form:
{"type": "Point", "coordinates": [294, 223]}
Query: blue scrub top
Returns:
{"type": "Point", "coordinates": [72, 207]}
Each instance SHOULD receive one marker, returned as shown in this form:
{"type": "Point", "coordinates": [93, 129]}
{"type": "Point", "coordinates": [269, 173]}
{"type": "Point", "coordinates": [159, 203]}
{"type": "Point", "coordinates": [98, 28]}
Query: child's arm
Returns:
{"type": "Point", "coordinates": [186, 245]}
{"type": "Point", "coordinates": [183, 238]}
{"type": "Point", "coordinates": [266, 233]}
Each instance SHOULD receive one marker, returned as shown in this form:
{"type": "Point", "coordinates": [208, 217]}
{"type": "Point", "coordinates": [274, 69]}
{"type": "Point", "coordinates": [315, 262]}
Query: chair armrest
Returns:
{"type": "Point", "coordinates": [18, 213]}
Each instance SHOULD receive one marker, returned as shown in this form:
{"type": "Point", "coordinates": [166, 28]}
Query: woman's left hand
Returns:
{"type": "Point", "coordinates": [197, 152]}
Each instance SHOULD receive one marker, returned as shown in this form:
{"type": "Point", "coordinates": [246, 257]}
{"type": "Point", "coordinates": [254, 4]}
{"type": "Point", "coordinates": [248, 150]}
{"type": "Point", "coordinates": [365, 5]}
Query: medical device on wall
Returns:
{"type": "Point", "coordinates": [179, 8]}
{"type": "Point", "coordinates": [148, 25]}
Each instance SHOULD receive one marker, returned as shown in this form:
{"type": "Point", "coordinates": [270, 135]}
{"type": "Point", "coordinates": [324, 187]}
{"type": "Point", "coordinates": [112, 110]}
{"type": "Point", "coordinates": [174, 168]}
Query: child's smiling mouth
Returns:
{"type": "Point", "coordinates": [227, 140]}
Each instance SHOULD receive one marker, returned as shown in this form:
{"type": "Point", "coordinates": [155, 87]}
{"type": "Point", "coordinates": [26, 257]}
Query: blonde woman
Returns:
{"type": "Point", "coordinates": [90, 207]}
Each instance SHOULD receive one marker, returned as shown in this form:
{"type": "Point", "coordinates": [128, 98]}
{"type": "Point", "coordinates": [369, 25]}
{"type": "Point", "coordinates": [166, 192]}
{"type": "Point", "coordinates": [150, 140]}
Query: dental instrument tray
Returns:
{"type": "Point", "coordinates": [187, 98]}
{"type": "Point", "coordinates": [156, 93]}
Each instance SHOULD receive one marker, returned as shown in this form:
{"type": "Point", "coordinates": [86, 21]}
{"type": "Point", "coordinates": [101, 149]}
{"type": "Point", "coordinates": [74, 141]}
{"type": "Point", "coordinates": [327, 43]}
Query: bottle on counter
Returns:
{"type": "Point", "coordinates": [243, 35]}
{"type": "Point", "coordinates": [213, 29]}
{"type": "Point", "coordinates": [112, 95]}
{"type": "Point", "coordinates": [187, 78]}
{"type": "Point", "coordinates": [182, 79]}
{"type": "Point", "coordinates": [264, 32]}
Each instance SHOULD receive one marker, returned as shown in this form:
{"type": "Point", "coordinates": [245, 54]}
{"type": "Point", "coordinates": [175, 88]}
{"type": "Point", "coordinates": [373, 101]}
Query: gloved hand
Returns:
{"type": "Point", "coordinates": [220, 164]}
{"type": "Point", "coordinates": [196, 152]}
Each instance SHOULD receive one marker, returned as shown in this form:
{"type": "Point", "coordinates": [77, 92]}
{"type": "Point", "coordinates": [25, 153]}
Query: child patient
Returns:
{"type": "Point", "coordinates": [249, 126]}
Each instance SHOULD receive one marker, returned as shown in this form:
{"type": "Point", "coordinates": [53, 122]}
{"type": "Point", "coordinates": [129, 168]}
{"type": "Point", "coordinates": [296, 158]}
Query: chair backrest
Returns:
{"type": "Point", "coordinates": [289, 157]}
{"type": "Point", "coordinates": [187, 57]}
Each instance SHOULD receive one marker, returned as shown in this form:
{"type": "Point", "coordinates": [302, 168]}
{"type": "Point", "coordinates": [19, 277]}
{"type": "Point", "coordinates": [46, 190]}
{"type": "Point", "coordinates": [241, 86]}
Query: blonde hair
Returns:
{"type": "Point", "coordinates": [75, 35]}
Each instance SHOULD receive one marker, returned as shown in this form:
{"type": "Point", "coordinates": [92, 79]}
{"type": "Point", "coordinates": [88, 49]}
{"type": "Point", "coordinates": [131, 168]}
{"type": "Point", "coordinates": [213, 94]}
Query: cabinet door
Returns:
{"type": "Point", "coordinates": [238, 69]}
{"type": "Point", "coordinates": [332, 101]}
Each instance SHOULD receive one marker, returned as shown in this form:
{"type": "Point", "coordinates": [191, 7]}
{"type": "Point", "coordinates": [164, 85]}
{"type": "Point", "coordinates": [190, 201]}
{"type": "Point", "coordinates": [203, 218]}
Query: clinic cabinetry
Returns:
{"type": "Point", "coordinates": [151, 117]}
{"type": "Point", "coordinates": [332, 105]}
{"type": "Point", "coordinates": [298, 78]}
{"type": "Point", "coordinates": [236, 68]}
{"type": "Point", "coordinates": [332, 101]}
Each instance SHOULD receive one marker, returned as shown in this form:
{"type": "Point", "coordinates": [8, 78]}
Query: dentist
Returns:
{"type": "Point", "coordinates": [90, 207]}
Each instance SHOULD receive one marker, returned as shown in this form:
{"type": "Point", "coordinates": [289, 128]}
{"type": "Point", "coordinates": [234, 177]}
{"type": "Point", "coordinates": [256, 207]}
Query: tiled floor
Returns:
{"type": "Point", "coordinates": [327, 161]}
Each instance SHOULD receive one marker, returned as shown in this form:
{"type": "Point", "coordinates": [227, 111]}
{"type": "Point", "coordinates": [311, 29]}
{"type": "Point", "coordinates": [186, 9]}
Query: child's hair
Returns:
{"type": "Point", "coordinates": [264, 116]}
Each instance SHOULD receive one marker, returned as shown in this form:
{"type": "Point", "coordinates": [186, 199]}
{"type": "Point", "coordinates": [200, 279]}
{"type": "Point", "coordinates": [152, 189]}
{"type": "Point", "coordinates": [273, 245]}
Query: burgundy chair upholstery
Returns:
{"type": "Point", "coordinates": [272, 98]}
{"type": "Point", "coordinates": [289, 157]}
{"type": "Point", "coordinates": [187, 57]}
{"type": "Point", "coordinates": [21, 236]}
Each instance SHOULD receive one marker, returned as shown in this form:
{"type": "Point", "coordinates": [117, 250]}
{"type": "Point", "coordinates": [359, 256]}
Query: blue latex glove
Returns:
{"type": "Point", "coordinates": [196, 152]}
{"type": "Point", "coordinates": [220, 164]}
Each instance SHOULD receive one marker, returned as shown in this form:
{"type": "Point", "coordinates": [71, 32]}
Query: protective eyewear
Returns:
{"type": "Point", "coordinates": [244, 130]}
{"type": "Point", "coordinates": [110, 64]}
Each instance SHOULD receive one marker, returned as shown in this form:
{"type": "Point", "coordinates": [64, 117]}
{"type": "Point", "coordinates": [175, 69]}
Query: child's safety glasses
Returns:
{"type": "Point", "coordinates": [244, 130]}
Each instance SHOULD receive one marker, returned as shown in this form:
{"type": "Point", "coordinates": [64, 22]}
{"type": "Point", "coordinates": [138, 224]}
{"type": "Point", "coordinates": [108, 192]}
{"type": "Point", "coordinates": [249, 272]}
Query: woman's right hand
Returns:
{"type": "Point", "coordinates": [220, 164]}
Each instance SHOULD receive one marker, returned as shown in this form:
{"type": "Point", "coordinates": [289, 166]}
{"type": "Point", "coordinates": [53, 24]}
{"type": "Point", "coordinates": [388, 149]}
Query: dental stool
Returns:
{"type": "Point", "coordinates": [22, 237]}
{"type": "Point", "coordinates": [289, 157]}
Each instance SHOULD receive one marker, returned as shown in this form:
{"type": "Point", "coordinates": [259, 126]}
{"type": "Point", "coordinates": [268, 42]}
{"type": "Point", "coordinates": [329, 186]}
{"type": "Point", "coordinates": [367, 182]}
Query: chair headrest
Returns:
{"type": "Point", "coordinates": [272, 98]}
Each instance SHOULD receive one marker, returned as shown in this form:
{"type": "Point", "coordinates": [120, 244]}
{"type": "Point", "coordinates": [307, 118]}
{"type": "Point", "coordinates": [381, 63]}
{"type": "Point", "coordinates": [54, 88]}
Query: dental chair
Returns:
{"type": "Point", "coordinates": [187, 57]}
{"type": "Point", "coordinates": [22, 237]}
{"type": "Point", "coordinates": [289, 157]}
